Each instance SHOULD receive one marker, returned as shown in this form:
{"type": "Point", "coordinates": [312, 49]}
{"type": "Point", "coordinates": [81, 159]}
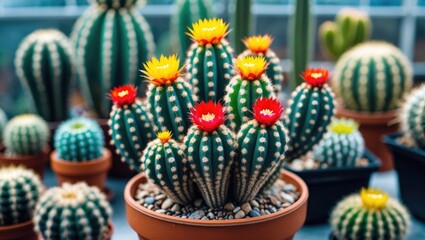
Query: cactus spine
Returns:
{"type": "Point", "coordinates": [242, 22]}
{"type": "Point", "coordinates": [45, 68]}
{"type": "Point", "coordinates": [372, 77]}
{"type": "Point", "coordinates": [3, 122]}
{"type": "Point", "coordinates": [413, 117]}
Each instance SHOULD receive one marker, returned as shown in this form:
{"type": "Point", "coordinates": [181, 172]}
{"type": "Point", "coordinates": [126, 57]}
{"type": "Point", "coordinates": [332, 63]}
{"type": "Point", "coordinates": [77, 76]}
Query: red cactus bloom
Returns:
{"type": "Point", "coordinates": [207, 116]}
{"type": "Point", "coordinates": [316, 77]}
{"type": "Point", "coordinates": [267, 111]}
{"type": "Point", "coordinates": [124, 95]}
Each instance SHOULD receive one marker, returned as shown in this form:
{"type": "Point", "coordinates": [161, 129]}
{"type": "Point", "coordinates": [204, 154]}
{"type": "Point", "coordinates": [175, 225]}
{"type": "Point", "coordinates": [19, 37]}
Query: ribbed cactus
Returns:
{"type": "Point", "coordinates": [20, 190]}
{"type": "Point", "coordinates": [44, 65]}
{"type": "Point", "coordinates": [342, 145]}
{"type": "Point", "coordinates": [260, 46]}
{"type": "Point", "coordinates": [73, 212]}
{"type": "Point", "coordinates": [3, 122]}
{"type": "Point", "coordinates": [351, 27]}
{"type": "Point", "coordinates": [79, 139]}
{"type": "Point", "coordinates": [413, 117]}
{"type": "Point", "coordinates": [245, 88]}
{"type": "Point", "coordinates": [26, 135]}
{"type": "Point", "coordinates": [166, 165]}
{"type": "Point", "coordinates": [210, 149]}
{"type": "Point", "coordinates": [369, 215]}
{"type": "Point", "coordinates": [209, 60]}
{"type": "Point", "coordinates": [372, 77]}
{"type": "Point", "coordinates": [111, 39]}
{"type": "Point", "coordinates": [242, 23]}
{"type": "Point", "coordinates": [169, 96]}
{"type": "Point", "coordinates": [130, 126]}
{"type": "Point", "coordinates": [262, 145]}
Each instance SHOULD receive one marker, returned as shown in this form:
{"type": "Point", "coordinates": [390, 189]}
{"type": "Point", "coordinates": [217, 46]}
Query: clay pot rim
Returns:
{"type": "Point", "coordinates": [45, 152]}
{"type": "Point", "coordinates": [368, 117]}
{"type": "Point", "coordinates": [28, 223]}
{"type": "Point", "coordinates": [218, 223]}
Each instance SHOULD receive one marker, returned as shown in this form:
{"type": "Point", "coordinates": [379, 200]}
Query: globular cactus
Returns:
{"type": "Point", "coordinates": [369, 215]}
{"type": "Point", "coordinates": [111, 39]}
{"type": "Point", "coordinates": [261, 149]}
{"type": "Point", "coordinates": [73, 212]}
{"type": "Point", "coordinates": [351, 27]}
{"type": "Point", "coordinates": [412, 117]}
{"type": "Point", "coordinates": [210, 150]}
{"type": "Point", "coordinates": [209, 60]}
{"type": "Point", "coordinates": [20, 190]}
{"type": "Point", "coordinates": [79, 139]}
{"type": "Point", "coordinates": [260, 46]}
{"type": "Point", "coordinates": [26, 135]}
{"type": "Point", "coordinates": [130, 125]}
{"type": "Point", "coordinates": [242, 22]}
{"type": "Point", "coordinates": [166, 165]}
{"type": "Point", "coordinates": [372, 77]}
{"type": "Point", "coordinates": [342, 145]}
{"type": "Point", "coordinates": [169, 96]}
{"type": "Point", "coordinates": [3, 122]}
{"type": "Point", "coordinates": [44, 65]}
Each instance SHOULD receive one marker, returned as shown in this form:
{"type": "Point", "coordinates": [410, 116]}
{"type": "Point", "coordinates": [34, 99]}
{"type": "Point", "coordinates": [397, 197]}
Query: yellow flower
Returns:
{"type": "Point", "coordinates": [373, 198]}
{"type": "Point", "coordinates": [163, 71]}
{"type": "Point", "coordinates": [258, 44]}
{"type": "Point", "coordinates": [164, 136]}
{"type": "Point", "coordinates": [343, 126]}
{"type": "Point", "coordinates": [251, 67]}
{"type": "Point", "coordinates": [208, 31]}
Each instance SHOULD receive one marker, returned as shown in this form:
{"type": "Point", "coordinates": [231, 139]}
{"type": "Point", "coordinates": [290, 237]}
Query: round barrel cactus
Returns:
{"type": "Point", "coordinates": [3, 122]}
{"type": "Point", "coordinates": [413, 117]}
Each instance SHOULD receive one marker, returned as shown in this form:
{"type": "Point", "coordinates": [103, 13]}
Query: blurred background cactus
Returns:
{"type": "Point", "coordinates": [242, 23]}
{"type": "Point", "coordinates": [3, 122]}
{"type": "Point", "coordinates": [412, 117]}
{"type": "Point", "coordinates": [44, 65]}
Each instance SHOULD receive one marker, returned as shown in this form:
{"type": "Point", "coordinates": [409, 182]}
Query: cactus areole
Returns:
{"type": "Point", "coordinates": [267, 111]}
{"type": "Point", "coordinates": [124, 95]}
{"type": "Point", "coordinates": [208, 116]}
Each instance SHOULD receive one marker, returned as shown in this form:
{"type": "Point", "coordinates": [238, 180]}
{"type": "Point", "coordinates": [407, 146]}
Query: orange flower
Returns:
{"type": "Point", "coordinates": [316, 77]}
{"type": "Point", "coordinates": [258, 44]}
{"type": "Point", "coordinates": [250, 67]}
{"type": "Point", "coordinates": [123, 95]}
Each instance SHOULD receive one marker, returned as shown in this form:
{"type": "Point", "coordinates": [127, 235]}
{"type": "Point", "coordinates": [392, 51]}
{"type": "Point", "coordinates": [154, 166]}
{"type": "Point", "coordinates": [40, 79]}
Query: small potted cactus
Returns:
{"type": "Point", "coordinates": [75, 212]}
{"type": "Point", "coordinates": [26, 143]}
{"type": "Point", "coordinates": [19, 193]}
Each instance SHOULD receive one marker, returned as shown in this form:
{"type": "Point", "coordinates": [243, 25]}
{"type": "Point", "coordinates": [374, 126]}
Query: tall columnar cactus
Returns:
{"type": "Point", "coordinates": [260, 46]}
{"type": "Point", "coordinates": [209, 60]}
{"type": "Point", "coordinates": [130, 125]}
{"type": "Point", "coordinates": [44, 65]}
{"type": "Point", "coordinates": [210, 150]}
{"type": "Point", "coordinates": [73, 212]}
{"type": "Point", "coordinates": [3, 122]}
{"type": "Point", "coordinates": [20, 190]}
{"type": "Point", "coordinates": [413, 117]}
{"type": "Point", "coordinates": [261, 149]}
{"type": "Point", "coordinates": [166, 165]}
{"type": "Point", "coordinates": [170, 97]}
{"type": "Point", "coordinates": [79, 139]}
{"type": "Point", "coordinates": [342, 145]}
{"type": "Point", "coordinates": [369, 215]}
{"type": "Point", "coordinates": [26, 135]}
{"type": "Point", "coordinates": [351, 27]}
{"type": "Point", "coordinates": [372, 77]}
{"type": "Point", "coordinates": [111, 39]}
{"type": "Point", "coordinates": [242, 23]}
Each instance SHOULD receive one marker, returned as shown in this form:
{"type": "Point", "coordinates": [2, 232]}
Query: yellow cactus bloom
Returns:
{"type": "Point", "coordinates": [164, 136]}
{"type": "Point", "coordinates": [208, 31]}
{"type": "Point", "coordinates": [164, 70]}
{"type": "Point", "coordinates": [343, 126]}
{"type": "Point", "coordinates": [373, 198]}
{"type": "Point", "coordinates": [251, 67]}
{"type": "Point", "coordinates": [258, 44]}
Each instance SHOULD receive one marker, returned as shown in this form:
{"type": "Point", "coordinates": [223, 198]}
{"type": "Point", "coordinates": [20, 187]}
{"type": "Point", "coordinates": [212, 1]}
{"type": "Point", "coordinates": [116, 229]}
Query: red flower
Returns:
{"type": "Point", "coordinates": [124, 95]}
{"type": "Point", "coordinates": [267, 111]}
{"type": "Point", "coordinates": [316, 77]}
{"type": "Point", "coordinates": [207, 116]}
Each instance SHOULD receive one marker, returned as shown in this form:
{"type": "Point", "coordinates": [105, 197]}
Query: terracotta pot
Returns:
{"type": "Point", "coordinates": [108, 236]}
{"type": "Point", "coordinates": [20, 231]}
{"type": "Point", "coordinates": [373, 127]}
{"type": "Point", "coordinates": [35, 162]}
{"type": "Point", "coordinates": [152, 225]}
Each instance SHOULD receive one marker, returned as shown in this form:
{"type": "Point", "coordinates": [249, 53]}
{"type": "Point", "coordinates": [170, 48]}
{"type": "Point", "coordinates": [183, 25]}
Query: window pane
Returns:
{"type": "Point", "coordinates": [338, 2]}
{"type": "Point", "coordinates": [421, 3]}
{"type": "Point", "coordinates": [420, 41]}
{"type": "Point", "coordinates": [386, 2]}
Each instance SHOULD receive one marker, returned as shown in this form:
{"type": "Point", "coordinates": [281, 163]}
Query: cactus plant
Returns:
{"type": "Point", "coordinates": [44, 65]}
{"type": "Point", "coordinates": [412, 117]}
{"type": "Point", "coordinates": [260, 46]}
{"type": "Point", "coordinates": [170, 97]}
{"type": "Point", "coordinates": [73, 212]}
{"type": "Point", "coordinates": [3, 122]}
{"type": "Point", "coordinates": [245, 88]}
{"type": "Point", "coordinates": [372, 77]}
{"type": "Point", "coordinates": [209, 60]}
{"type": "Point", "coordinates": [110, 40]}
{"type": "Point", "coordinates": [79, 139]}
{"type": "Point", "coordinates": [342, 145]}
{"type": "Point", "coordinates": [351, 27]}
{"type": "Point", "coordinates": [26, 135]}
{"type": "Point", "coordinates": [369, 215]}
{"type": "Point", "coordinates": [20, 190]}
{"type": "Point", "coordinates": [130, 125]}
{"type": "Point", "coordinates": [242, 22]}
{"type": "Point", "coordinates": [166, 165]}
{"type": "Point", "coordinates": [210, 149]}
{"type": "Point", "coordinates": [262, 146]}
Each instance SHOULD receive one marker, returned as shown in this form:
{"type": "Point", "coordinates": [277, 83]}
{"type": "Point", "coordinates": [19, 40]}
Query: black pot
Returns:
{"type": "Point", "coordinates": [328, 186]}
{"type": "Point", "coordinates": [410, 166]}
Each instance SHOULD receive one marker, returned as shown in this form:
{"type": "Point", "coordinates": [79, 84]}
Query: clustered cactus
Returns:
{"type": "Point", "coordinates": [369, 215]}
{"type": "Point", "coordinates": [44, 65]}
{"type": "Point", "coordinates": [412, 117]}
{"type": "Point", "coordinates": [3, 122]}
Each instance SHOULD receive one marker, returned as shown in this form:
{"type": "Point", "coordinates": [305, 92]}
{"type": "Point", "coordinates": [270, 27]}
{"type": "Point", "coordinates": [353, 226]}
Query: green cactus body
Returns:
{"type": "Point", "coordinates": [20, 190]}
{"type": "Point", "coordinates": [117, 3]}
{"type": "Point", "coordinates": [110, 43]}
{"type": "Point", "coordinates": [3, 122]}
{"type": "Point", "coordinates": [372, 77]}
{"type": "Point", "coordinates": [413, 117]}
{"type": "Point", "coordinates": [44, 66]}
{"type": "Point", "coordinates": [26, 135]}
{"type": "Point", "coordinates": [166, 165]}
{"type": "Point", "coordinates": [73, 212]}
{"type": "Point", "coordinates": [242, 22]}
